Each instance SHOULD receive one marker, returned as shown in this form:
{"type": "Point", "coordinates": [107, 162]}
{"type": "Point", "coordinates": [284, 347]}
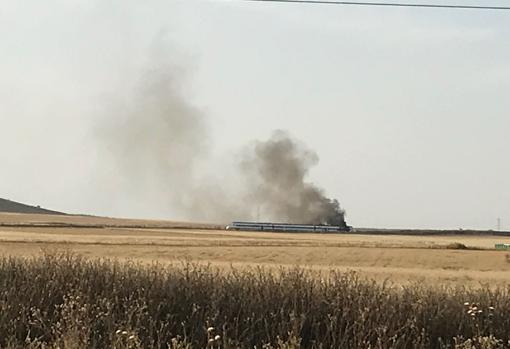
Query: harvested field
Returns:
{"type": "Point", "coordinates": [399, 258]}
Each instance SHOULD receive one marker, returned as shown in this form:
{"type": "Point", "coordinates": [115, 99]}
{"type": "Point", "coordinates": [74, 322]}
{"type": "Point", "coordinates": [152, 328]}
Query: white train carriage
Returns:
{"type": "Point", "coordinates": [262, 226]}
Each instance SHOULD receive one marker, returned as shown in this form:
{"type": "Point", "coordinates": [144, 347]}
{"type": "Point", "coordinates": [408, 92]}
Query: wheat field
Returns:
{"type": "Point", "coordinates": [398, 258]}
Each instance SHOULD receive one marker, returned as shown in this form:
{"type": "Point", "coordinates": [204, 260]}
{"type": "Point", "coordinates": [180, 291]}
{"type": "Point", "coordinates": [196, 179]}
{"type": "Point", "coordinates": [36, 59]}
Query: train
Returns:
{"type": "Point", "coordinates": [287, 227]}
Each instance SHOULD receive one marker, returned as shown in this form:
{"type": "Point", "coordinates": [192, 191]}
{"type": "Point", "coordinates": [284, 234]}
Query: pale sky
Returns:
{"type": "Point", "coordinates": [408, 109]}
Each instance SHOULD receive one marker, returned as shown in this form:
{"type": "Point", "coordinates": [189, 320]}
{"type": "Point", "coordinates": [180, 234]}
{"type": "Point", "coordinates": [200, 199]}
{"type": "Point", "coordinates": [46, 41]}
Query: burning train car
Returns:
{"type": "Point", "coordinates": [286, 227]}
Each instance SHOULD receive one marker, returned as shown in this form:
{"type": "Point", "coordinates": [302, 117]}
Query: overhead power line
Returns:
{"type": "Point", "coordinates": [387, 4]}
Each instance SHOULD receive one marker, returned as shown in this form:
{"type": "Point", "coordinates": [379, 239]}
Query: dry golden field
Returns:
{"type": "Point", "coordinates": [399, 258]}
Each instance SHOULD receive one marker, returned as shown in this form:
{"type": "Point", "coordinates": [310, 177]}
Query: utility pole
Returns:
{"type": "Point", "coordinates": [499, 224]}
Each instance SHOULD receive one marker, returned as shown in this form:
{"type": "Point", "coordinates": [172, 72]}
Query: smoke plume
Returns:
{"type": "Point", "coordinates": [155, 139]}
{"type": "Point", "coordinates": [158, 142]}
{"type": "Point", "coordinates": [277, 169]}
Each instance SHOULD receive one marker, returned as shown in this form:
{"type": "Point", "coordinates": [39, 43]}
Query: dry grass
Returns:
{"type": "Point", "coordinates": [69, 302]}
{"type": "Point", "coordinates": [34, 219]}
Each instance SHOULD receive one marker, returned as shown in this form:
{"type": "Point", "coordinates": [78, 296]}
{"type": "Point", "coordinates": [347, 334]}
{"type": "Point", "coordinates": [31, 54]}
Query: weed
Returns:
{"type": "Point", "coordinates": [65, 301]}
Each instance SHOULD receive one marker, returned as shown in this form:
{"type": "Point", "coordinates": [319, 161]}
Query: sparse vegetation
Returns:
{"type": "Point", "coordinates": [65, 301]}
{"type": "Point", "coordinates": [456, 246]}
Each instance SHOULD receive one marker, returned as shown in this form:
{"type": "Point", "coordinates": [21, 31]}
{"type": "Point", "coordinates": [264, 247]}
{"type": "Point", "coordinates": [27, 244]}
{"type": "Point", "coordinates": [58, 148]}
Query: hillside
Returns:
{"type": "Point", "coordinates": [16, 207]}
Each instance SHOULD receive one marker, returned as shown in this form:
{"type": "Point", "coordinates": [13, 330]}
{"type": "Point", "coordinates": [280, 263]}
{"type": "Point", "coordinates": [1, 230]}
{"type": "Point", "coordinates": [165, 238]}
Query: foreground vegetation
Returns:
{"type": "Point", "coordinates": [65, 301]}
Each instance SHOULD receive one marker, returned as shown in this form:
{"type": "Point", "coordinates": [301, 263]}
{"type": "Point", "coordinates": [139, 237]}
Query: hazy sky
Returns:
{"type": "Point", "coordinates": [408, 109]}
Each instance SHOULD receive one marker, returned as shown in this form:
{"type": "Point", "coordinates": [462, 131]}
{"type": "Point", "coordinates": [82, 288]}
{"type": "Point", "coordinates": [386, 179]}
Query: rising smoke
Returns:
{"type": "Point", "coordinates": [158, 142]}
{"type": "Point", "coordinates": [277, 169]}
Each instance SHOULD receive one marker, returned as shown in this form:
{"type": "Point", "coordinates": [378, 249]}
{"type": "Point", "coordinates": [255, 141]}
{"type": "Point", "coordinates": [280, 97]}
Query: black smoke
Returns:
{"type": "Point", "coordinates": [158, 140]}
